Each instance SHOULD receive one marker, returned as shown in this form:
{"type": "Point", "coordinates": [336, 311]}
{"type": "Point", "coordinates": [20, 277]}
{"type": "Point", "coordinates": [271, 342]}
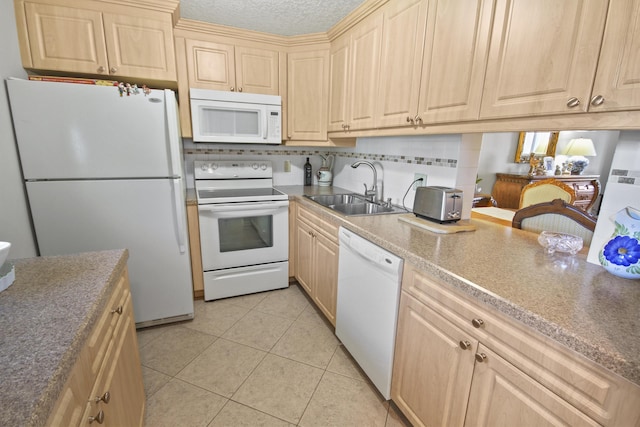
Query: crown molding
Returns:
{"type": "Point", "coordinates": [357, 15]}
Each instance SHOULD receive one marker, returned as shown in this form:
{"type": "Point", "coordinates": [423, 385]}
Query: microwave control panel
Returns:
{"type": "Point", "coordinates": [273, 128]}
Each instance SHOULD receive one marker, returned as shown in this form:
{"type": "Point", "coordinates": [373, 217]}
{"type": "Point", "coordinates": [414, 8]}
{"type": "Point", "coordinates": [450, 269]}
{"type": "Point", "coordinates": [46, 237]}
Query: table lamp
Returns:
{"type": "Point", "coordinates": [576, 150]}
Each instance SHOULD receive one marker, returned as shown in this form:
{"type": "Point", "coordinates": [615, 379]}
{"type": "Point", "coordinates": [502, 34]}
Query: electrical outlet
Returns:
{"type": "Point", "coordinates": [287, 165]}
{"type": "Point", "coordinates": [419, 183]}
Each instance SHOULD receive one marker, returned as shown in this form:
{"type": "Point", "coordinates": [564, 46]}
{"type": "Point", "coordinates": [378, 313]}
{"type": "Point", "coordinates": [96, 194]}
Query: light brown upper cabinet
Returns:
{"type": "Point", "coordinates": [617, 84]}
{"type": "Point", "coordinates": [543, 57]}
{"type": "Point", "coordinates": [354, 66]}
{"type": "Point", "coordinates": [131, 43]}
{"type": "Point", "coordinates": [433, 60]}
{"type": "Point", "coordinates": [307, 94]}
{"type": "Point", "coordinates": [220, 66]}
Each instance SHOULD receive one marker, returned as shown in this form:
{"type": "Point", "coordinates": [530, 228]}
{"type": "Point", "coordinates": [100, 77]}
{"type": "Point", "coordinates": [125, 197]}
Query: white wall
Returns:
{"type": "Point", "coordinates": [619, 194]}
{"type": "Point", "coordinates": [15, 226]}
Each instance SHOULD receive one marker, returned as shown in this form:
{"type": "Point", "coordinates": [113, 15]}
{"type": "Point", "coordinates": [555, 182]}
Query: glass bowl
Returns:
{"type": "Point", "coordinates": [560, 242]}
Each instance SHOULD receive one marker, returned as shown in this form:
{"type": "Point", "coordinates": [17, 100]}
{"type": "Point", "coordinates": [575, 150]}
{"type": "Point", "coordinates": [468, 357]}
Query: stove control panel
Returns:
{"type": "Point", "coordinates": [232, 169]}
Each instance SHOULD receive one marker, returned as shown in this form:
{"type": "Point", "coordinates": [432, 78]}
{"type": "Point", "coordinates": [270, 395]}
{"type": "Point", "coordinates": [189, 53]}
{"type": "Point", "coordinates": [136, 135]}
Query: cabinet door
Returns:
{"type": "Point", "coordinates": [140, 47]}
{"type": "Point", "coordinates": [308, 95]}
{"type": "Point", "coordinates": [63, 38]}
{"type": "Point", "coordinates": [121, 377]}
{"type": "Point", "coordinates": [210, 65]}
{"type": "Point", "coordinates": [501, 395]}
{"type": "Point", "coordinates": [256, 70]}
{"type": "Point", "coordinates": [543, 57]}
{"type": "Point", "coordinates": [400, 62]}
{"type": "Point", "coordinates": [304, 256]}
{"type": "Point", "coordinates": [431, 371]}
{"type": "Point", "coordinates": [455, 57]}
{"type": "Point", "coordinates": [325, 284]}
{"type": "Point", "coordinates": [363, 72]}
{"type": "Point", "coordinates": [339, 76]}
{"type": "Point", "coordinates": [618, 76]}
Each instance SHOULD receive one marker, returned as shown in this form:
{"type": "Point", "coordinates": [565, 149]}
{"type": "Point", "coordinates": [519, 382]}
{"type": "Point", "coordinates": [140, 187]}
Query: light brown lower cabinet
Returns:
{"type": "Point", "coordinates": [317, 260]}
{"type": "Point", "coordinates": [112, 394]}
{"type": "Point", "coordinates": [461, 364]}
{"type": "Point", "coordinates": [197, 273]}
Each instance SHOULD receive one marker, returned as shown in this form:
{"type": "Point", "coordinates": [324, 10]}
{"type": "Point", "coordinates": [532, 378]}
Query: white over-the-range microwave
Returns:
{"type": "Point", "coordinates": [234, 117]}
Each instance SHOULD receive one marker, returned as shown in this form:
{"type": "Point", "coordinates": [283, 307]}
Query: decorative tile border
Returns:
{"type": "Point", "coordinates": [624, 176]}
{"type": "Point", "coordinates": [430, 161]}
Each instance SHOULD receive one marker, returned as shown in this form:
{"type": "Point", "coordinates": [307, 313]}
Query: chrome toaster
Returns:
{"type": "Point", "coordinates": [440, 204]}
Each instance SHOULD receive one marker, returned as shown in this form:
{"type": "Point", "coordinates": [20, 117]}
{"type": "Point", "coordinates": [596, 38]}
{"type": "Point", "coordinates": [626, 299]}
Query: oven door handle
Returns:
{"type": "Point", "coordinates": [243, 207]}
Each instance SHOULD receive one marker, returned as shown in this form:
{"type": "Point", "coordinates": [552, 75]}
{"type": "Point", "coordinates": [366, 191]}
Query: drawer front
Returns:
{"type": "Point", "coordinates": [580, 382]}
{"type": "Point", "coordinates": [326, 228]}
{"type": "Point", "coordinates": [98, 341]}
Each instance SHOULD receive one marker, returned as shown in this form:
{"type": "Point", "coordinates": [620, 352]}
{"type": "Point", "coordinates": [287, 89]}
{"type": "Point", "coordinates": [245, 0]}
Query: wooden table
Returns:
{"type": "Point", "coordinates": [508, 187]}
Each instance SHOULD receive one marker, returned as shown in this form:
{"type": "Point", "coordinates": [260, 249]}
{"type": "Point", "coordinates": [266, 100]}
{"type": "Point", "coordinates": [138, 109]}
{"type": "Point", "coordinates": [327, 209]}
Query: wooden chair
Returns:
{"type": "Point", "coordinates": [558, 216]}
{"type": "Point", "coordinates": [546, 191]}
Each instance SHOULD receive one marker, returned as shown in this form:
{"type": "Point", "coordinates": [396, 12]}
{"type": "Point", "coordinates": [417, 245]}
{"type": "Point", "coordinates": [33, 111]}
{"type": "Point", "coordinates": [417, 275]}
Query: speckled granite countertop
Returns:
{"type": "Point", "coordinates": [565, 298]}
{"type": "Point", "coordinates": [45, 318]}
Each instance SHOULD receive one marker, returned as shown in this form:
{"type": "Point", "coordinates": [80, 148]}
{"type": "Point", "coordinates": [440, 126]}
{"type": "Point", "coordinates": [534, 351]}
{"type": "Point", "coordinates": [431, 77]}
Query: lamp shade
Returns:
{"type": "Point", "coordinates": [580, 147]}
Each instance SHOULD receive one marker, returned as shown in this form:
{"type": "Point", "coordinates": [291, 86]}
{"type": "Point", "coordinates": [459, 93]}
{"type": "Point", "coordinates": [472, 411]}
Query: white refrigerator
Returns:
{"type": "Point", "coordinates": [105, 172]}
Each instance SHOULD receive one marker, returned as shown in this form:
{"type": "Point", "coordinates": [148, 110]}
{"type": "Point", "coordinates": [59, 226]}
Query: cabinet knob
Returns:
{"type": "Point", "coordinates": [597, 100]}
{"type": "Point", "coordinates": [233, 89]}
{"type": "Point", "coordinates": [117, 310]}
{"type": "Point", "coordinates": [573, 102]}
{"type": "Point", "coordinates": [101, 69]}
{"type": "Point", "coordinates": [239, 89]}
{"type": "Point", "coordinates": [347, 127]}
{"type": "Point", "coordinates": [481, 357]}
{"type": "Point", "coordinates": [465, 345]}
{"type": "Point", "coordinates": [477, 323]}
{"type": "Point", "coordinates": [344, 126]}
{"type": "Point", "coordinates": [417, 119]}
{"type": "Point", "coordinates": [106, 397]}
{"type": "Point", "coordinates": [288, 136]}
{"type": "Point", "coordinates": [98, 418]}
{"type": "Point", "coordinates": [113, 69]}
{"type": "Point", "coordinates": [409, 119]}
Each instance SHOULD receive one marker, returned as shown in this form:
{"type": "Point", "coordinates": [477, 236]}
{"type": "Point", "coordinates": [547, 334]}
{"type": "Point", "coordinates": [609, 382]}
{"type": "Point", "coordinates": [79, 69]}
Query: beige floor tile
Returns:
{"type": "Point", "coordinates": [288, 302]}
{"type": "Point", "coordinates": [258, 330]}
{"type": "Point", "coordinates": [146, 335]}
{"type": "Point", "coordinates": [247, 301]}
{"type": "Point", "coordinates": [310, 343]}
{"type": "Point", "coordinates": [342, 363]}
{"type": "Point", "coordinates": [153, 381]}
{"type": "Point", "coordinates": [174, 349]}
{"type": "Point", "coordinates": [280, 387]}
{"type": "Point", "coordinates": [215, 317]}
{"type": "Point", "coordinates": [342, 401]}
{"type": "Point", "coordinates": [312, 315]}
{"type": "Point", "coordinates": [395, 418]}
{"type": "Point", "coordinates": [236, 415]}
{"type": "Point", "coordinates": [182, 404]}
{"type": "Point", "coordinates": [222, 367]}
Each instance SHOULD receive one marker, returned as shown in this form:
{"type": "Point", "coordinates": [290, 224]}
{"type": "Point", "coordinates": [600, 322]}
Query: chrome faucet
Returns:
{"type": "Point", "coordinates": [371, 192]}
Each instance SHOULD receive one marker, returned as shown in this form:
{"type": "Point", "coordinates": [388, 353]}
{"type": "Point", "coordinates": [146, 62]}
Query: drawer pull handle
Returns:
{"type": "Point", "coordinates": [481, 357]}
{"type": "Point", "coordinates": [117, 310]}
{"type": "Point", "coordinates": [477, 323]}
{"type": "Point", "coordinates": [465, 345]}
{"type": "Point", "coordinates": [573, 102]}
{"type": "Point", "coordinates": [106, 397]}
{"type": "Point", "coordinates": [597, 100]}
{"type": "Point", "coordinates": [98, 418]}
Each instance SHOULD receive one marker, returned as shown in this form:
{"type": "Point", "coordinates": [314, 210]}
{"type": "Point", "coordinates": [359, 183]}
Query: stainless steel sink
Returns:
{"type": "Point", "coordinates": [353, 204]}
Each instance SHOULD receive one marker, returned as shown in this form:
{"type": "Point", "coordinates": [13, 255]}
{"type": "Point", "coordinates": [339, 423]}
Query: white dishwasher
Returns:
{"type": "Point", "coordinates": [367, 309]}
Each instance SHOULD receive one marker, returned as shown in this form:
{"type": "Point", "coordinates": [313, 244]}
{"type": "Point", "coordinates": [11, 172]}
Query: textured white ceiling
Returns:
{"type": "Point", "coordinates": [284, 17]}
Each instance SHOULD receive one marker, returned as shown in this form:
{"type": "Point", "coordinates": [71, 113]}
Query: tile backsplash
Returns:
{"type": "Point", "coordinates": [396, 159]}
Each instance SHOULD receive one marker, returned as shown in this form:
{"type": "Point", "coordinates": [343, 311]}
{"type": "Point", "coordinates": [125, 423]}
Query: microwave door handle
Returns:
{"type": "Point", "coordinates": [264, 123]}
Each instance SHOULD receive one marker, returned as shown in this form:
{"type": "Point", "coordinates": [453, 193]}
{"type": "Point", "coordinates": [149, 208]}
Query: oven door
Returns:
{"type": "Point", "coordinates": [243, 234]}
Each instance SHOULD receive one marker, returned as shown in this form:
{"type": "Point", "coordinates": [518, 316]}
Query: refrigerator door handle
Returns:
{"type": "Point", "coordinates": [179, 219]}
{"type": "Point", "coordinates": [173, 132]}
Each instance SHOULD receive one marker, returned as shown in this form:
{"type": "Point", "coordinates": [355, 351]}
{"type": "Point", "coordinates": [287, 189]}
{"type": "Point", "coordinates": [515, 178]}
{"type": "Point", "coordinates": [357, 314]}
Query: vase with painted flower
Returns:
{"type": "Point", "coordinates": [621, 254]}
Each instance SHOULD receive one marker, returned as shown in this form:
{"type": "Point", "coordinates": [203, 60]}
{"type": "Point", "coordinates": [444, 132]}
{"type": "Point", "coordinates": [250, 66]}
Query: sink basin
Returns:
{"type": "Point", "coordinates": [337, 199]}
{"type": "Point", "coordinates": [353, 204]}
